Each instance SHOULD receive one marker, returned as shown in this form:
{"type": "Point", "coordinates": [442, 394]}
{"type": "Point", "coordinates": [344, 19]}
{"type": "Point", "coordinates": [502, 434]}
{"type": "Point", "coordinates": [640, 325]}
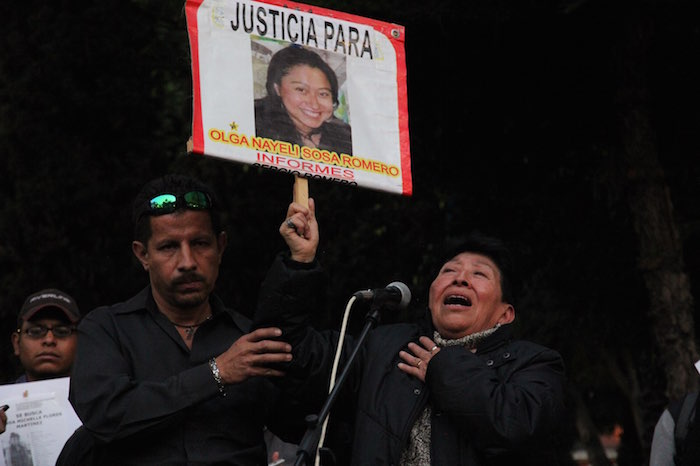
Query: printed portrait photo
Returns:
{"type": "Point", "coordinates": [300, 95]}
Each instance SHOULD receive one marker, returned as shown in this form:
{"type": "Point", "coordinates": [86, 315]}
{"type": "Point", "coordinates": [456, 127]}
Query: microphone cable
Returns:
{"type": "Point", "coordinates": [334, 371]}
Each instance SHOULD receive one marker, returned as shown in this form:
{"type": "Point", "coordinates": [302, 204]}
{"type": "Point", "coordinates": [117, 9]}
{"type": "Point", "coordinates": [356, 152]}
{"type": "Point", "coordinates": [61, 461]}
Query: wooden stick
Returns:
{"type": "Point", "coordinates": [301, 190]}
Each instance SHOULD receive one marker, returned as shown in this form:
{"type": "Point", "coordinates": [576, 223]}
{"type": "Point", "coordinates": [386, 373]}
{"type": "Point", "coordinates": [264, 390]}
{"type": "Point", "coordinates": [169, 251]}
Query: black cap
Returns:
{"type": "Point", "coordinates": [49, 298]}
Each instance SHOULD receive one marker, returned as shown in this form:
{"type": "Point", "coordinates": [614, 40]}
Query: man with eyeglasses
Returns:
{"type": "Point", "coordinates": [173, 376]}
{"type": "Point", "coordinates": [45, 340]}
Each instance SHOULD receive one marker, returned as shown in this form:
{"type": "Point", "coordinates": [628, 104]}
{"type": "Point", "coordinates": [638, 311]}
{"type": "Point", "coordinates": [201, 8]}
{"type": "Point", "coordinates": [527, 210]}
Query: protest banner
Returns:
{"type": "Point", "coordinates": [39, 421]}
{"type": "Point", "coordinates": [300, 89]}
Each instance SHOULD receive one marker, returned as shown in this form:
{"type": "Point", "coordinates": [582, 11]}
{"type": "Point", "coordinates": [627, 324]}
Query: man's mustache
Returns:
{"type": "Point", "coordinates": [188, 278]}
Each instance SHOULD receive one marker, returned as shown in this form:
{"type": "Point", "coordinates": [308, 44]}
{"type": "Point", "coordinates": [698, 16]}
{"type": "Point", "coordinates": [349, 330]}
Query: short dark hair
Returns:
{"type": "Point", "coordinates": [492, 247]}
{"type": "Point", "coordinates": [289, 57]}
{"type": "Point", "coordinates": [172, 184]}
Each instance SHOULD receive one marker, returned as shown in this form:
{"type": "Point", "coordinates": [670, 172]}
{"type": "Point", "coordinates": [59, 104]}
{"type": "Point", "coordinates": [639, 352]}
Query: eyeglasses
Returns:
{"type": "Point", "coordinates": [167, 203]}
{"type": "Point", "coordinates": [40, 331]}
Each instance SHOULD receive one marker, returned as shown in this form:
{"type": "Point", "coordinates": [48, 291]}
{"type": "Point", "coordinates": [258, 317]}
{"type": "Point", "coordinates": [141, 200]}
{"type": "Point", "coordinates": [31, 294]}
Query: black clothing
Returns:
{"type": "Point", "coordinates": [686, 431]}
{"type": "Point", "coordinates": [78, 450]}
{"type": "Point", "coordinates": [149, 400]}
{"type": "Point", "coordinates": [496, 406]}
{"type": "Point", "coordinates": [273, 122]}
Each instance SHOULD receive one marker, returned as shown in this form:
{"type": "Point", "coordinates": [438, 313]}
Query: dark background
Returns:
{"type": "Point", "coordinates": [516, 129]}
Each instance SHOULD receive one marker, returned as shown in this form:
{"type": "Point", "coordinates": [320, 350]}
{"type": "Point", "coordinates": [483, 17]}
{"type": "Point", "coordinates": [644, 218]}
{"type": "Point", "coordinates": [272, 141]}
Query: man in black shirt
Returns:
{"type": "Point", "coordinates": [173, 376]}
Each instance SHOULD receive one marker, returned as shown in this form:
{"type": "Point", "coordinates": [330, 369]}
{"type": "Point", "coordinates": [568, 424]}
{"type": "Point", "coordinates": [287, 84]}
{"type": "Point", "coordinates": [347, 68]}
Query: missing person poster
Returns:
{"type": "Point", "coordinates": [300, 89]}
{"type": "Point", "coordinates": [39, 421]}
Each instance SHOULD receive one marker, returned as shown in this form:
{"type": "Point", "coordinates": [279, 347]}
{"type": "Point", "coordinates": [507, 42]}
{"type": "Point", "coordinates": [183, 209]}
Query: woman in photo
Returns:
{"type": "Point", "coordinates": [302, 95]}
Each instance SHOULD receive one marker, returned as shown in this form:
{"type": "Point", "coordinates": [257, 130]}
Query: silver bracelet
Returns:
{"type": "Point", "coordinates": [217, 376]}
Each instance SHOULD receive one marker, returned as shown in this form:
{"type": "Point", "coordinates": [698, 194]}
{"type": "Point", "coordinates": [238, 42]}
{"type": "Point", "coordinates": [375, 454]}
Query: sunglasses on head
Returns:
{"type": "Point", "coordinates": [167, 203]}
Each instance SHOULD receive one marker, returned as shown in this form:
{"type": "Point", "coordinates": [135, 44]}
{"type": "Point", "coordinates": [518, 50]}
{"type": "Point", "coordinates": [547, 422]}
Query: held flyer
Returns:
{"type": "Point", "coordinates": [300, 89]}
{"type": "Point", "coordinates": [39, 421]}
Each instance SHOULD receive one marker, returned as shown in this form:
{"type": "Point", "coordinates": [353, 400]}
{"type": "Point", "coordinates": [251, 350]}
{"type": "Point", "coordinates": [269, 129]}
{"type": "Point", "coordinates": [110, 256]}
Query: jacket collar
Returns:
{"type": "Point", "coordinates": [497, 338]}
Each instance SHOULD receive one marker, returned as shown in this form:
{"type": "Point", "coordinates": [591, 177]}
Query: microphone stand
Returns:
{"type": "Point", "coordinates": [309, 443]}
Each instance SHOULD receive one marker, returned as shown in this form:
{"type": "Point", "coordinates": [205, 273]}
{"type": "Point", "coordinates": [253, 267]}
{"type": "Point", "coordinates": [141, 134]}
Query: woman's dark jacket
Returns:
{"type": "Point", "coordinates": [273, 122]}
{"type": "Point", "coordinates": [496, 406]}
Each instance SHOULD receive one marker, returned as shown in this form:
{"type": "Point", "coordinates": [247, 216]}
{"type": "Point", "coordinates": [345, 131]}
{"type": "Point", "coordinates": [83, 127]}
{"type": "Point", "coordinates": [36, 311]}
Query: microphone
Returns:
{"type": "Point", "coordinates": [395, 294]}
